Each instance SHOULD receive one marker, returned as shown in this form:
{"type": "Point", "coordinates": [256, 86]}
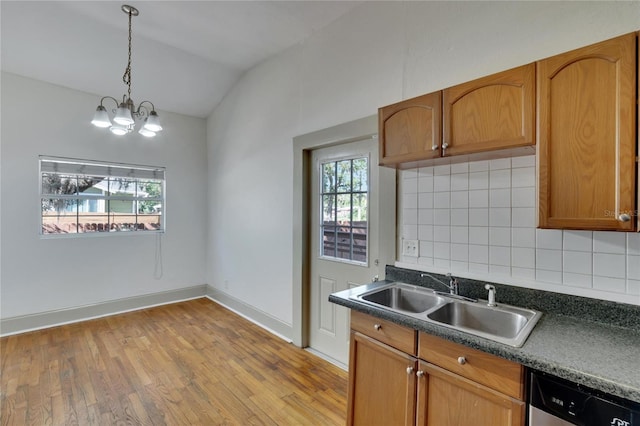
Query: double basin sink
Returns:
{"type": "Point", "coordinates": [502, 323]}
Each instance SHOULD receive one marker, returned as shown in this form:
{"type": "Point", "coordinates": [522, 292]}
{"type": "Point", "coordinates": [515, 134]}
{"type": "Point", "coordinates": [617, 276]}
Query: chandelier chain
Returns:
{"type": "Point", "coordinates": [126, 77]}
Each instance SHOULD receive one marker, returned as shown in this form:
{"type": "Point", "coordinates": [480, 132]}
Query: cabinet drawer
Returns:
{"type": "Point", "coordinates": [394, 335]}
{"type": "Point", "coordinates": [492, 371]}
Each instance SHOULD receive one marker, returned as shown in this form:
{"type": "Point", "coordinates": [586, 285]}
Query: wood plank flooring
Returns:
{"type": "Point", "coordinates": [189, 363]}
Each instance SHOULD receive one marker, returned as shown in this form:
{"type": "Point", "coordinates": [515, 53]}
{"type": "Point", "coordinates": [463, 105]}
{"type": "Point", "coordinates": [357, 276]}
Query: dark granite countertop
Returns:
{"type": "Point", "coordinates": [567, 341]}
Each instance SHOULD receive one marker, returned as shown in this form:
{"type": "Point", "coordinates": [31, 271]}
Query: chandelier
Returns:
{"type": "Point", "coordinates": [126, 112]}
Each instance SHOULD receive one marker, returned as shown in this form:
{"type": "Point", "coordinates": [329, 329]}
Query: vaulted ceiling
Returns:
{"type": "Point", "coordinates": [186, 54]}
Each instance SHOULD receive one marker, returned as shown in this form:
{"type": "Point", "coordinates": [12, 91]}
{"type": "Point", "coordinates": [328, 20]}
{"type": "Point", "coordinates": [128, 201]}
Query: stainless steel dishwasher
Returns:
{"type": "Point", "coordinates": [557, 402]}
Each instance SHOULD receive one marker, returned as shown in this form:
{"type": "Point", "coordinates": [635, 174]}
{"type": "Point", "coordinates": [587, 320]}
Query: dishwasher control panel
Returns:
{"type": "Point", "coordinates": [554, 401]}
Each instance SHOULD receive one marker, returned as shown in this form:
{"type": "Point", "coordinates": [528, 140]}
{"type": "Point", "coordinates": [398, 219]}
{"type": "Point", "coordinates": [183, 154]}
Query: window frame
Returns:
{"type": "Point", "coordinates": [135, 173]}
{"type": "Point", "coordinates": [321, 194]}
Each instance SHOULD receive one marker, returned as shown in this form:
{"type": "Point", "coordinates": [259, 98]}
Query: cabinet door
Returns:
{"type": "Point", "coordinates": [587, 137]}
{"type": "Point", "coordinates": [446, 399]}
{"type": "Point", "coordinates": [382, 384]}
{"type": "Point", "coordinates": [490, 113]}
{"type": "Point", "coordinates": [410, 131]}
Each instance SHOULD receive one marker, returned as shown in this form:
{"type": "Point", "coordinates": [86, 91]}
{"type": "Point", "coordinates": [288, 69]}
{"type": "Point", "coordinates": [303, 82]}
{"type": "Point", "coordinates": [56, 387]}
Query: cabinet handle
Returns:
{"type": "Point", "coordinates": [419, 373]}
{"type": "Point", "coordinates": [462, 360]}
{"type": "Point", "coordinates": [624, 217]}
{"type": "Point", "coordinates": [445, 145]}
{"type": "Point", "coordinates": [409, 370]}
{"type": "Point", "coordinates": [377, 327]}
{"type": "Point", "coordinates": [435, 147]}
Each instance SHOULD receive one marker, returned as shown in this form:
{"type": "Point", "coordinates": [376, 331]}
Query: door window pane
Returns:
{"type": "Point", "coordinates": [344, 200]}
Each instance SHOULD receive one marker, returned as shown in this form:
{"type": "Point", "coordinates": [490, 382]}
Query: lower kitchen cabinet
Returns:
{"type": "Point", "coordinates": [382, 384]}
{"type": "Point", "coordinates": [445, 398]}
{"type": "Point", "coordinates": [400, 377]}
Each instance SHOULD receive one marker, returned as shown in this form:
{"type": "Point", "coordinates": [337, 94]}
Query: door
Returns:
{"type": "Point", "coordinates": [445, 398]}
{"type": "Point", "coordinates": [387, 397]}
{"type": "Point", "coordinates": [344, 238]}
{"type": "Point", "coordinates": [587, 137]}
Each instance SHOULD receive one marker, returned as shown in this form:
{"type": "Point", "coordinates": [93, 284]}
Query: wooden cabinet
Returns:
{"type": "Point", "coordinates": [460, 386]}
{"type": "Point", "coordinates": [382, 384]}
{"type": "Point", "coordinates": [490, 113]}
{"type": "Point", "coordinates": [479, 117]}
{"type": "Point", "coordinates": [587, 137]}
{"type": "Point", "coordinates": [382, 381]}
{"type": "Point", "coordinates": [410, 131]}
{"type": "Point", "coordinates": [445, 398]}
{"type": "Point", "coordinates": [390, 385]}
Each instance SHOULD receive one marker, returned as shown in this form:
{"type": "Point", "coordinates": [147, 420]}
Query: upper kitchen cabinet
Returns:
{"type": "Point", "coordinates": [490, 113]}
{"type": "Point", "coordinates": [587, 137]}
{"type": "Point", "coordinates": [410, 131]}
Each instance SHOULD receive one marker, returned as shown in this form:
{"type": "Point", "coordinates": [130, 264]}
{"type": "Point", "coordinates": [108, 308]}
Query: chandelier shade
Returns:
{"type": "Point", "coordinates": [101, 118]}
{"type": "Point", "coordinates": [126, 113]}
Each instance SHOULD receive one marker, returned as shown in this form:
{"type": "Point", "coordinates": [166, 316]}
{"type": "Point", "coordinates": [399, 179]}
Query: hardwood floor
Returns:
{"type": "Point", "coordinates": [189, 363]}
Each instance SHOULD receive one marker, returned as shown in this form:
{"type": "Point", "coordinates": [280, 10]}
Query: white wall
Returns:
{"type": "Point", "coordinates": [40, 275]}
{"type": "Point", "coordinates": [380, 53]}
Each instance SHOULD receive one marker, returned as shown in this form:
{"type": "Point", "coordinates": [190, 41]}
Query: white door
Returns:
{"type": "Point", "coordinates": [344, 237]}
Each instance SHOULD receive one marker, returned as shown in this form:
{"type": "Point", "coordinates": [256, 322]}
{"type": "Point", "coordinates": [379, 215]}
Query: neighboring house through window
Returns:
{"type": "Point", "coordinates": [81, 197]}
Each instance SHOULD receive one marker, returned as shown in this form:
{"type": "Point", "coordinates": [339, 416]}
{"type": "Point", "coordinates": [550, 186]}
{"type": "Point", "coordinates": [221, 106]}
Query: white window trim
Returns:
{"type": "Point", "coordinates": [75, 166]}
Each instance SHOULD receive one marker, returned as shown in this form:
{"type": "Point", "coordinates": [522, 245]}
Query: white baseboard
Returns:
{"type": "Point", "coordinates": [256, 316]}
{"type": "Point", "coordinates": [25, 323]}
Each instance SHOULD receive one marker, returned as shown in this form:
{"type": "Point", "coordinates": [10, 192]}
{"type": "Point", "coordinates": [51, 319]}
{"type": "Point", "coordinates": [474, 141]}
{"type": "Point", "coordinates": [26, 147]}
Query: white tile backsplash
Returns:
{"type": "Point", "coordinates": [425, 200]}
{"type": "Point", "coordinates": [500, 236]}
{"type": "Point", "coordinates": [578, 241]}
{"type": "Point", "coordinates": [523, 177]}
{"type": "Point", "coordinates": [459, 168]}
{"type": "Point", "coordinates": [500, 179]}
{"type": "Point", "coordinates": [614, 285]}
{"type": "Point", "coordinates": [479, 166]}
{"type": "Point", "coordinates": [460, 199]}
{"type": "Point", "coordinates": [460, 182]}
{"type": "Point", "coordinates": [442, 183]}
{"type": "Point", "coordinates": [478, 180]}
{"type": "Point", "coordinates": [523, 237]}
{"type": "Point", "coordinates": [549, 260]}
{"type": "Point", "coordinates": [499, 256]}
{"type": "Point", "coordinates": [441, 200]}
{"type": "Point", "coordinates": [500, 216]}
{"type": "Point", "coordinates": [479, 235]}
{"type": "Point", "coordinates": [500, 197]}
{"type": "Point", "coordinates": [548, 239]}
{"type": "Point", "coordinates": [577, 262]}
{"type": "Point", "coordinates": [479, 198]}
{"type": "Point", "coordinates": [459, 217]}
{"type": "Point", "coordinates": [500, 163]}
{"type": "Point", "coordinates": [609, 265]}
{"type": "Point", "coordinates": [480, 217]}
{"type": "Point", "coordinates": [609, 242]}
{"type": "Point", "coordinates": [460, 234]}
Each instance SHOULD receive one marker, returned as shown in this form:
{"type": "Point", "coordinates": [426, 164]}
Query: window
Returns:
{"type": "Point", "coordinates": [86, 197]}
{"type": "Point", "coordinates": [344, 201]}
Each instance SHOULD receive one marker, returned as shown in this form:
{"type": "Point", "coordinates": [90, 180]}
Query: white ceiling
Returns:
{"type": "Point", "coordinates": [186, 54]}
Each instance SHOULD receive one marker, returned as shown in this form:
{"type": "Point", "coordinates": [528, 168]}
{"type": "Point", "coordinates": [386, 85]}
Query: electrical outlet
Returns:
{"type": "Point", "coordinates": [410, 248]}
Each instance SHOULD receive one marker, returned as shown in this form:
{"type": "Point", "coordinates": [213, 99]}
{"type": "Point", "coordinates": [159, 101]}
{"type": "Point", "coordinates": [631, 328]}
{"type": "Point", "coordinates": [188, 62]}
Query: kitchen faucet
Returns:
{"type": "Point", "coordinates": [452, 286]}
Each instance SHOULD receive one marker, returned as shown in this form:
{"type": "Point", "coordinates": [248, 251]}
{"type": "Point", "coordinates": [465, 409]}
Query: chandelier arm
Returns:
{"type": "Point", "coordinates": [140, 106]}
{"type": "Point", "coordinates": [109, 97]}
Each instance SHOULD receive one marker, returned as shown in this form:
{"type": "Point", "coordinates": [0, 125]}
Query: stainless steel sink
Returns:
{"type": "Point", "coordinates": [502, 323]}
{"type": "Point", "coordinates": [404, 298]}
